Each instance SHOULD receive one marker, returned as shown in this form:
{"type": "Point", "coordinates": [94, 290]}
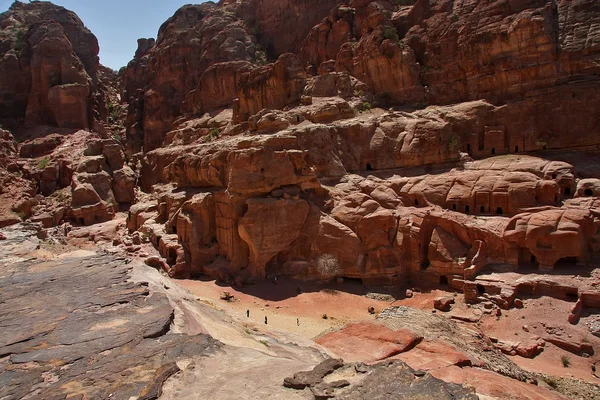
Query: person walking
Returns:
{"type": "Point", "coordinates": [247, 313]}
{"type": "Point", "coordinates": [265, 320]}
{"type": "Point", "coordinates": [298, 321]}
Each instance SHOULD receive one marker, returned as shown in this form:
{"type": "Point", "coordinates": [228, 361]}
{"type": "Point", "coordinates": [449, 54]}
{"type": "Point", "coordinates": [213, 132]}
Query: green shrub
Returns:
{"type": "Point", "coordinates": [43, 163]}
{"type": "Point", "coordinates": [550, 381]}
{"type": "Point", "coordinates": [118, 137]}
{"type": "Point", "coordinates": [566, 361]}
{"type": "Point", "coordinates": [212, 135]}
{"type": "Point", "coordinates": [390, 33]}
{"type": "Point", "coordinates": [19, 39]}
{"type": "Point", "coordinates": [366, 106]}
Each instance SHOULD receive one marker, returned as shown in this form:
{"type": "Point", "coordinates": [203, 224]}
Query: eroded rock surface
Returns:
{"type": "Point", "coordinates": [100, 326]}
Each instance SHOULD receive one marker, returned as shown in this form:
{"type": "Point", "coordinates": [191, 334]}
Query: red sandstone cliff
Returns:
{"type": "Point", "coordinates": [269, 160]}
{"type": "Point", "coordinates": [49, 69]}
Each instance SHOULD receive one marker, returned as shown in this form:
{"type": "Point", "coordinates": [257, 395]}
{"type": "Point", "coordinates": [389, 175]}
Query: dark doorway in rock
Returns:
{"type": "Point", "coordinates": [369, 168]}
{"type": "Point", "coordinates": [544, 147]}
{"type": "Point", "coordinates": [174, 228]}
{"type": "Point", "coordinates": [416, 202]}
{"type": "Point", "coordinates": [443, 280]}
{"type": "Point", "coordinates": [96, 218]}
{"type": "Point", "coordinates": [172, 257]}
{"type": "Point", "coordinates": [572, 296]}
{"type": "Point", "coordinates": [493, 150]}
{"type": "Point", "coordinates": [568, 191]}
{"type": "Point", "coordinates": [353, 281]}
{"type": "Point", "coordinates": [525, 290]}
{"type": "Point", "coordinates": [533, 260]}
{"type": "Point", "coordinates": [516, 149]}
{"type": "Point", "coordinates": [468, 148]}
{"type": "Point", "coordinates": [482, 209]}
{"type": "Point", "coordinates": [425, 264]}
{"type": "Point", "coordinates": [499, 211]}
{"type": "Point", "coordinates": [566, 263]}
{"type": "Point", "coordinates": [588, 193]}
{"type": "Point", "coordinates": [454, 207]}
{"type": "Point", "coordinates": [553, 176]}
{"type": "Point", "coordinates": [467, 209]}
{"type": "Point", "coordinates": [81, 221]}
{"type": "Point", "coordinates": [480, 289]}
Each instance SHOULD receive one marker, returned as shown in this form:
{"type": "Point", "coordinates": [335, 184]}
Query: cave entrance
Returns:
{"type": "Point", "coordinates": [172, 257]}
{"type": "Point", "coordinates": [566, 263]}
{"type": "Point", "coordinates": [499, 211]}
{"type": "Point", "coordinates": [568, 192]}
{"type": "Point", "coordinates": [588, 193]}
{"type": "Point", "coordinates": [369, 167]}
{"type": "Point", "coordinates": [482, 209]}
{"type": "Point", "coordinates": [572, 296]}
{"type": "Point", "coordinates": [416, 202]}
{"type": "Point", "coordinates": [493, 150]}
{"type": "Point", "coordinates": [81, 221]}
{"type": "Point", "coordinates": [353, 281]}
{"type": "Point", "coordinates": [174, 229]}
{"type": "Point", "coordinates": [467, 209]}
{"type": "Point", "coordinates": [468, 148]}
{"type": "Point", "coordinates": [443, 280]}
{"type": "Point", "coordinates": [525, 290]}
{"type": "Point", "coordinates": [480, 289]}
{"type": "Point", "coordinates": [516, 149]}
{"type": "Point", "coordinates": [271, 267]}
{"type": "Point", "coordinates": [454, 207]}
{"type": "Point", "coordinates": [425, 264]}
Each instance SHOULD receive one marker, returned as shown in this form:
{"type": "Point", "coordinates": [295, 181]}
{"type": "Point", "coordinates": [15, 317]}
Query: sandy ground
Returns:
{"type": "Point", "coordinates": [344, 303]}
{"type": "Point", "coordinates": [286, 309]}
{"type": "Point", "coordinates": [542, 317]}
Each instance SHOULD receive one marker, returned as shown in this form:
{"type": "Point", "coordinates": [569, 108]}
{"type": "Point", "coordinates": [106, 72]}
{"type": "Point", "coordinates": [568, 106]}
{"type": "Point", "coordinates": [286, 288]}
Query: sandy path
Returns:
{"type": "Point", "coordinates": [347, 303]}
{"type": "Point", "coordinates": [285, 308]}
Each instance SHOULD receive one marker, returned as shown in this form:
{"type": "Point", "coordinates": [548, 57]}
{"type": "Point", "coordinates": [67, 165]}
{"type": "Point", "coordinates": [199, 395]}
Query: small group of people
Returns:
{"type": "Point", "coordinates": [267, 321]}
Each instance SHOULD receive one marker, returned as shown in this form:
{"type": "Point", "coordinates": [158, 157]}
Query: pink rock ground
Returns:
{"type": "Point", "coordinates": [368, 342]}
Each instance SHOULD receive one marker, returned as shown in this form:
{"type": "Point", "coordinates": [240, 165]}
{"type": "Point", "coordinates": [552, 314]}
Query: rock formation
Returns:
{"type": "Point", "coordinates": [408, 144]}
{"type": "Point", "coordinates": [50, 67]}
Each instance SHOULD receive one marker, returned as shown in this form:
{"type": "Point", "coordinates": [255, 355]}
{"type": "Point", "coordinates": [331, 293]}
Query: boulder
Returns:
{"type": "Point", "coordinates": [124, 185]}
{"type": "Point", "coordinates": [443, 303]}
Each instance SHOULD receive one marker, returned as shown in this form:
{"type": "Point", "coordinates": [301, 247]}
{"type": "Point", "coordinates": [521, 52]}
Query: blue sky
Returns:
{"type": "Point", "coordinates": [119, 23]}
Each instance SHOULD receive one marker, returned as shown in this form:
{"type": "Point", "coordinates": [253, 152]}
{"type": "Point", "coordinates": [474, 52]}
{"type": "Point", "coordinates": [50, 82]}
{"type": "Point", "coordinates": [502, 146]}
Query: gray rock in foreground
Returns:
{"type": "Point", "coordinates": [77, 328]}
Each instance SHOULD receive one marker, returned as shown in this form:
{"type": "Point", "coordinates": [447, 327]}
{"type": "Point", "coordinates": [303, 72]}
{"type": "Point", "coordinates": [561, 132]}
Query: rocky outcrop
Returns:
{"type": "Point", "coordinates": [273, 86]}
{"type": "Point", "coordinates": [188, 43]}
{"type": "Point", "coordinates": [421, 223]}
{"type": "Point", "coordinates": [549, 236]}
{"type": "Point", "coordinates": [101, 182]}
{"type": "Point", "coordinates": [77, 332]}
{"type": "Point", "coordinates": [374, 381]}
{"type": "Point", "coordinates": [270, 19]}
{"type": "Point", "coordinates": [133, 80]}
{"type": "Point", "coordinates": [50, 68]}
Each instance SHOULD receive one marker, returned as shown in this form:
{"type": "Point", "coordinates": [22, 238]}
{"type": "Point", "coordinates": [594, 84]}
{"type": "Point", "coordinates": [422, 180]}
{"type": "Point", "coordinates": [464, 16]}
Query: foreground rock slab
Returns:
{"type": "Point", "coordinates": [384, 380]}
{"type": "Point", "coordinates": [78, 328]}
